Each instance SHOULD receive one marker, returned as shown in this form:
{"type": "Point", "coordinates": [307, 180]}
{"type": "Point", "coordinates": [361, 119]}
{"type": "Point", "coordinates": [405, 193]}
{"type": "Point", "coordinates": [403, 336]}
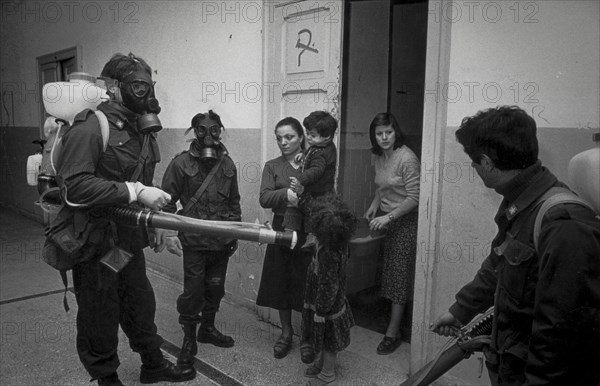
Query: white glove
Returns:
{"type": "Point", "coordinates": [152, 197]}
{"type": "Point", "coordinates": [174, 245]}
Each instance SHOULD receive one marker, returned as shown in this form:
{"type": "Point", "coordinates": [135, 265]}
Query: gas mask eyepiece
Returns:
{"type": "Point", "coordinates": [140, 88]}
{"type": "Point", "coordinates": [210, 136]}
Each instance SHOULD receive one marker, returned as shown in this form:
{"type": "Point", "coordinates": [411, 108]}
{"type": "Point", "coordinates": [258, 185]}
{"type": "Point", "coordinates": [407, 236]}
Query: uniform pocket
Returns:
{"type": "Point", "coordinates": [518, 274]}
{"type": "Point", "coordinates": [119, 155]}
{"type": "Point", "coordinates": [512, 358]}
{"type": "Point", "coordinates": [224, 183]}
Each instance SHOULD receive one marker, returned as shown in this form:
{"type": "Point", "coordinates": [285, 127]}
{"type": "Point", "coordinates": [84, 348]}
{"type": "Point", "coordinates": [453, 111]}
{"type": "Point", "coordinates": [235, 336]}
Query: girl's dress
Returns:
{"type": "Point", "coordinates": [326, 295]}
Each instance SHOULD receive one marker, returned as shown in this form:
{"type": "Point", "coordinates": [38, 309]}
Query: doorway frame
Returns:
{"type": "Point", "coordinates": [435, 112]}
{"type": "Point", "coordinates": [437, 70]}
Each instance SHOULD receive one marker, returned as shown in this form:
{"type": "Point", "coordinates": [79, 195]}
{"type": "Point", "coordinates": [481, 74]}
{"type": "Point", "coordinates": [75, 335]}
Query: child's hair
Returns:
{"type": "Point", "coordinates": [321, 121]}
{"type": "Point", "coordinates": [333, 224]}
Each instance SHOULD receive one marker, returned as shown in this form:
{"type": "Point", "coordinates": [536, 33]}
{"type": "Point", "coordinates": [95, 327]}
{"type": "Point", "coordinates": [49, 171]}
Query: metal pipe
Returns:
{"type": "Point", "coordinates": [230, 229]}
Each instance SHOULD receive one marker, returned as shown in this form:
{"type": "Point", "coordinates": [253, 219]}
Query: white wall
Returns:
{"type": "Point", "coordinates": [192, 46]}
{"type": "Point", "coordinates": [544, 58]}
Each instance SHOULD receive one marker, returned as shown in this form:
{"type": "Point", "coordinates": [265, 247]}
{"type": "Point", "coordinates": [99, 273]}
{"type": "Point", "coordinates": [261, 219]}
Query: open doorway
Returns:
{"type": "Point", "coordinates": [383, 71]}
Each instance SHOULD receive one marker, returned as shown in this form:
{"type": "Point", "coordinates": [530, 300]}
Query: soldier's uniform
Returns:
{"type": "Point", "coordinates": [205, 258]}
{"type": "Point", "coordinates": [89, 175]}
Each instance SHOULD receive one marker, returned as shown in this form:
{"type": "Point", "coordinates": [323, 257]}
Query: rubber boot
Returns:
{"type": "Point", "coordinates": [189, 347]}
{"type": "Point", "coordinates": [208, 333]}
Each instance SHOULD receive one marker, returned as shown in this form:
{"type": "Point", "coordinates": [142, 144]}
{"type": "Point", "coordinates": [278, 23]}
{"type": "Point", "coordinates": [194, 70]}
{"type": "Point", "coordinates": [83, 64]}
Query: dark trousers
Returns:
{"type": "Point", "coordinates": [106, 300]}
{"type": "Point", "coordinates": [203, 284]}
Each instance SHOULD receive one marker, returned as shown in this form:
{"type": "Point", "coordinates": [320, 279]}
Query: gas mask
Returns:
{"type": "Point", "coordinates": [207, 130]}
{"type": "Point", "coordinates": [136, 92]}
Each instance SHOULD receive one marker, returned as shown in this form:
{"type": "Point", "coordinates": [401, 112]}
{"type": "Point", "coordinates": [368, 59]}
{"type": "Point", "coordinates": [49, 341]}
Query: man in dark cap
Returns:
{"type": "Point", "coordinates": [545, 289]}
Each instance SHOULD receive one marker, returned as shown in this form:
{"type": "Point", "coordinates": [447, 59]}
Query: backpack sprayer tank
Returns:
{"type": "Point", "coordinates": [62, 101]}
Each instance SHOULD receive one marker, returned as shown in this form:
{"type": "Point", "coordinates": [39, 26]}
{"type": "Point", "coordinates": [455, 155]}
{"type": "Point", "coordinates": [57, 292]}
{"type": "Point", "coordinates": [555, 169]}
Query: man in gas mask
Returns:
{"type": "Point", "coordinates": [204, 180]}
{"type": "Point", "coordinates": [91, 176]}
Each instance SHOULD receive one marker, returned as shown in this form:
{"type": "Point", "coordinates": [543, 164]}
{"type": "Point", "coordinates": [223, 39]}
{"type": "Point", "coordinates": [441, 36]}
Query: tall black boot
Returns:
{"type": "Point", "coordinates": [110, 380]}
{"type": "Point", "coordinates": [208, 333]}
{"type": "Point", "coordinates": [189, 347]}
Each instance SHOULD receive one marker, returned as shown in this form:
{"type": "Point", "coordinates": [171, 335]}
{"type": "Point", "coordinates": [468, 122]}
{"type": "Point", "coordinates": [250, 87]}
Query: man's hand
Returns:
{"type": "Point", "coordinates": [160, 238]}
{"type": "Point", "coordinates": [152, 197]}
{"type": "Point", "coordinates": [174, 245]}
{"type": "Point", "coordinates": [478, 343]}
{"type": "Point", "coordinates": [446, 325]}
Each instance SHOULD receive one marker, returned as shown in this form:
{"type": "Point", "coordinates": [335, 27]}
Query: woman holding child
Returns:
{"type": "Point", "coordinates": [284, 271]}
{"type": "Point", "coordinates": [393, 210]}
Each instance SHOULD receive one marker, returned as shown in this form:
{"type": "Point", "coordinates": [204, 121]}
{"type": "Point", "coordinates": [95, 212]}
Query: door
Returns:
{"type": "Point", "coordinates": [302, 47]}
{"type": "Point", "coordinates": [302, 65]}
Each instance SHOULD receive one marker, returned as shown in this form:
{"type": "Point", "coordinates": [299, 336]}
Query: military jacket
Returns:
{"type": "Point", "coordinates": [547, 302]}
{"type": "Point", "coordinates": [220, 200]}
{"type": "Point", "coordinates": [90, 175]}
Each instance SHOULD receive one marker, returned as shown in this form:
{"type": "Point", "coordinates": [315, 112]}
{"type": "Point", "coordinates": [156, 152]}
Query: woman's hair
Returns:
{"type": "Point", "coordinates": [385, 119]}
{"type": "Point", "coordinates": [506, 134]}
{"type": "Point", "coordinates": [295, 125]}
{"type": "Point", "coordinates": [332, 222]}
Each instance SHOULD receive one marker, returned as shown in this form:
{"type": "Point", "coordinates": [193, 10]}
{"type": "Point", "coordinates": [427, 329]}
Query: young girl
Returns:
{"type": "Point", "coordinates": [326, 317]}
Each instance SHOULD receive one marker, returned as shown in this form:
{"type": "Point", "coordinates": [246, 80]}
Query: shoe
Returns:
{"type": "Point", "coordinates": [307, 353]}
{"type": "Point", "coordinates": [388, 345]}
{"type": "Point", "coordinates": [282, 347]}
{"type": "Point", "coordinates": [312, 372]}
{"type": "Point", "coordinates": [166, 372]}
{"type": "Point", "coordinates": [211, 335]}
{"type": "Point", "coordinates": [321, 379]}
{"type": "Point", "coordinates": [110, 380]}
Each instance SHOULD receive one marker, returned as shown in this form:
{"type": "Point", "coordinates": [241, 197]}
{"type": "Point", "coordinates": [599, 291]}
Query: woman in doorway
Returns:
{"type": "Point", "coordinates": [284, 270]}
{"type": "Point", "coordinates": [393, 210]}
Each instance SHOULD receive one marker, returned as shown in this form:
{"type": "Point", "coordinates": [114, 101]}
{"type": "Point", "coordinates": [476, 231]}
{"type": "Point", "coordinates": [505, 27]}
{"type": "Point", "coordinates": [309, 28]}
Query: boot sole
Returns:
{"type": "Point", "coordinates": [218, 344]}
{"type": "Point", "coordinates": [167, 379]}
